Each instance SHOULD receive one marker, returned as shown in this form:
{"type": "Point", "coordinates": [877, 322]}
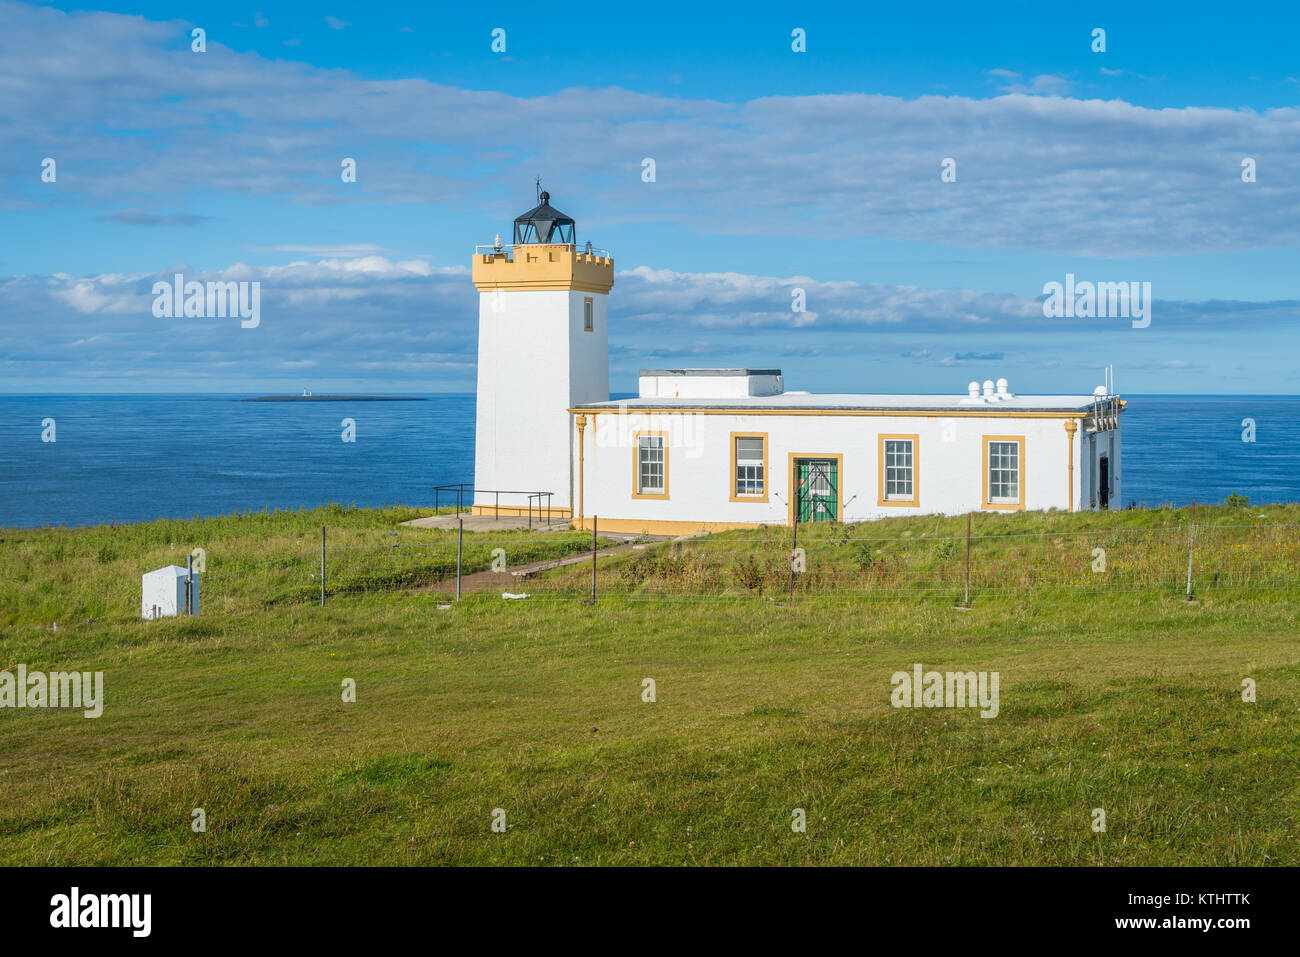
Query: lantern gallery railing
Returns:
{"type": "Point", "coordinates": [585, 249]}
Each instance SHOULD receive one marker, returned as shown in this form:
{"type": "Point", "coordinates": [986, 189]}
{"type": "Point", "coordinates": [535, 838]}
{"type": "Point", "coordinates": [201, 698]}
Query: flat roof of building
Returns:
{"type": "Point", "coordinates": [848, 402]}
{"type": "Point", "coordinates": [711, 372]}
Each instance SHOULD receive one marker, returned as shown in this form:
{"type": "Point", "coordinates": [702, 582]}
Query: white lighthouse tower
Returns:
{"type": "Point", "coordinates": [543, 348]}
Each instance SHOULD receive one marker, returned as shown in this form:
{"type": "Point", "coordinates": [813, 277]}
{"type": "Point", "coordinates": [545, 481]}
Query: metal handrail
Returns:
{"type": "Point", "coordinates": [461, 488]}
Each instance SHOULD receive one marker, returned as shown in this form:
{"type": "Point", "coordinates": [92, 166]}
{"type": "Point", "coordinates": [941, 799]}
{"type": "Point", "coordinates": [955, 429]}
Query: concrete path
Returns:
{"type": "Point", "coordinates": [513, 579]}
{"type": "Point", "coordinates": [486, 523]}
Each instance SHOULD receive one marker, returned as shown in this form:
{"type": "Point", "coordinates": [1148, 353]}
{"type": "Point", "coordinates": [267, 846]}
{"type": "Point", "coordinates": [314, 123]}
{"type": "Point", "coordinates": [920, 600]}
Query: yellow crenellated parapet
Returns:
{"type": "Point", "coordinates": [543, 266]}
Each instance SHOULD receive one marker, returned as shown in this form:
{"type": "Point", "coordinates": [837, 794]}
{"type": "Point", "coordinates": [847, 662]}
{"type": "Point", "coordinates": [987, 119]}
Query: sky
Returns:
{"type": "Point", "coordinates": [126, 156]}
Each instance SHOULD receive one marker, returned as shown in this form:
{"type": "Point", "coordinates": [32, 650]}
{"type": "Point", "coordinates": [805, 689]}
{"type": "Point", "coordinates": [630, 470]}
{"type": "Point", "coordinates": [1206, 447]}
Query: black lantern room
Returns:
{"type": "Point", "coordinates": [543, 224]}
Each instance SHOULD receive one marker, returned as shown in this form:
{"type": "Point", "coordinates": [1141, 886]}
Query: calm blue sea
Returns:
{"type": "Point", "coordinates": [131, 458]}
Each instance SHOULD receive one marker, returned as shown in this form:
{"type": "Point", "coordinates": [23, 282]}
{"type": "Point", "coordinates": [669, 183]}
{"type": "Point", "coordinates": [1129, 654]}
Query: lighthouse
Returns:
{"type": "Point", "coordinates": [713, 449]}
{"type": "Point", "coordinates": [543, 348]}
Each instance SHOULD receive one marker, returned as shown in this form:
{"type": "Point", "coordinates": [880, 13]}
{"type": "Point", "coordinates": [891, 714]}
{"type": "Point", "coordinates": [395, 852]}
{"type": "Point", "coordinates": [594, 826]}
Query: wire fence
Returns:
{"type": "Point", "coordinates": [939, 561]}
{"type": "Point", "coordinates": [387, 564]}
{"type": "Point", "coordinates": [840, 562]}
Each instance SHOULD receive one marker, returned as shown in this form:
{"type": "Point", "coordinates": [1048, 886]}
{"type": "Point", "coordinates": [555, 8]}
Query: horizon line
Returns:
{"type": "Point", "coordinates": [91, 395]}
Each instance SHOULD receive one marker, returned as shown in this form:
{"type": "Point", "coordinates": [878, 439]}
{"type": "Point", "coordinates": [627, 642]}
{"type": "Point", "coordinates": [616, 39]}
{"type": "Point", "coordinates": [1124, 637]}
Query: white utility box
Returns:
{"type": "Point", "coordinates": [162, 593]}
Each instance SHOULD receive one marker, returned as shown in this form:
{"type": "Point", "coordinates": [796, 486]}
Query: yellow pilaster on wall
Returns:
{"type": "Point", "coordinates": [1070, 428]}
{"type": "Point", "coordinates": [582, 428]}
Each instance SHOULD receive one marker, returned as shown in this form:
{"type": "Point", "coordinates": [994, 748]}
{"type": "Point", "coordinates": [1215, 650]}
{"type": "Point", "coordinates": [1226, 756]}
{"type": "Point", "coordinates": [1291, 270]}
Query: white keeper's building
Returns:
{"type": "Point", "coordinates": [712, 449]}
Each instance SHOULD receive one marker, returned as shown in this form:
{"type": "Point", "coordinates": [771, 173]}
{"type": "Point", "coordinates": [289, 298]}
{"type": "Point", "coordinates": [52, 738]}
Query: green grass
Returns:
{"type": "Point", "coordinates": [924, 558]}
{"type": "Point", "coordinates": [1112, 696]}
{"type": "Point", "coordinates": [255, 560]}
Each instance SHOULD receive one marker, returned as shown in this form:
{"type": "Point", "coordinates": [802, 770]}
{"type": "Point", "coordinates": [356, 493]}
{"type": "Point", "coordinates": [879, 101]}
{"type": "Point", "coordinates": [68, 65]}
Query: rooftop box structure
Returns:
{"type": "Point", "coordinates": [162, 593]}
{"type": "Point", "coordinates": [710, 383]}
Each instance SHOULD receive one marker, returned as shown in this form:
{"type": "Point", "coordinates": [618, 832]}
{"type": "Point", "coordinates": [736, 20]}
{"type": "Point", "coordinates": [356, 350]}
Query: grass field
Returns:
{"type": "Point", "coordinates": [1115, 694]}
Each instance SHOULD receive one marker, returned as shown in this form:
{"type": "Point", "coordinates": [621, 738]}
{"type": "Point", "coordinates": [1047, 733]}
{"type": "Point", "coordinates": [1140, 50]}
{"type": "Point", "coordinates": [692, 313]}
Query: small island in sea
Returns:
{"type": "Point", "coordinates": [308, 397]}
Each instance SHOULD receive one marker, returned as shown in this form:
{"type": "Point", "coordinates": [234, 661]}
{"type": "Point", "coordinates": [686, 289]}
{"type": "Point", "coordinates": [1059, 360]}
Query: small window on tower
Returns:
{"type": "Point", "coordinates": [588, 322]}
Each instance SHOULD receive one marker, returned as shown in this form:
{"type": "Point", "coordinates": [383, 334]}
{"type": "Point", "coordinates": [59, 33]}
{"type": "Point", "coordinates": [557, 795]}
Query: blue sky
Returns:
{"type": "Point", "coordinates": [775, 170]}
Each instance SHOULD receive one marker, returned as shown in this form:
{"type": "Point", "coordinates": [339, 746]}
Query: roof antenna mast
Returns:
{"type": "Point", "coordinates": [537, 183]}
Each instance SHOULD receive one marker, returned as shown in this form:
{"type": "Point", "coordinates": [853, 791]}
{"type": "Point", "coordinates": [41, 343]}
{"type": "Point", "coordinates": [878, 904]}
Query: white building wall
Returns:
{"type": "Point", "coordinates": [949, 451]}
{"type": "Point", "coordinates": [695, 386]}
{"type": "Point", "coordinates": [534, 362]}
{"type": "Point", "coordinates": [1090, 469]}
{"type": "Point", "coordinates": [588, 351]}
{"type": "Point", "coordinates": [1116, 497]}
{"type": "Point", "coordinates": [1094, 446]}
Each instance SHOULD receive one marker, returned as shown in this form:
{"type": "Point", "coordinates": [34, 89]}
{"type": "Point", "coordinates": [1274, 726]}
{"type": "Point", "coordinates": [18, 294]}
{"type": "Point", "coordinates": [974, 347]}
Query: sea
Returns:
{"type": "Point", "coordinates": [131, 458]}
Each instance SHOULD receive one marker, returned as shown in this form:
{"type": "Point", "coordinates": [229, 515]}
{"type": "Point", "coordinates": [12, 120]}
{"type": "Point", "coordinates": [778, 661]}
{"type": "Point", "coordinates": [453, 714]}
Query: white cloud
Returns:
{"type": "Point", "coordinates": [1047, 173]}
{"type": "Point", "coordinates": [1044, 84]}
{"type": "Point", "coordinates": [414, 324]}
{"type": "Point", "coordinates": [346, 251]}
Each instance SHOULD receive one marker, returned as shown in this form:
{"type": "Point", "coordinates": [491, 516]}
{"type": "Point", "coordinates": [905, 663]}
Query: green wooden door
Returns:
{"type": "Point", "coordinates": [817, 484]}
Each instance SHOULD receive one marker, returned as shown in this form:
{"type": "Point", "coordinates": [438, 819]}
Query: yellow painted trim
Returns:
{"type": "Point", "coordinates": [646, 526]}
{"type": "Point", "coordinates": [636, 471]}
{"type": "Point", "coordinates": [839, 485]}
{"type": "Point", "coordinates": [520, 511]}
{"type": "Point", "coordinates": [915, 500]}
{"type": "Point", "coordinates": [581, 422]}
{"type": "Point", "coordinates": [1070, 428]}
{"type": "Point", "coordinates": [566, 285]}
{"type": "Point", "coordinates": [767, 474]}
{"type": "Point", "coordinates": [588, 313]}
{"type": "Point", "coordinates": [543, 266]}
{"type": "Point", "coordinates": [1020, 479]}
{"type": "Point", "coordinates": [920, 413]}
